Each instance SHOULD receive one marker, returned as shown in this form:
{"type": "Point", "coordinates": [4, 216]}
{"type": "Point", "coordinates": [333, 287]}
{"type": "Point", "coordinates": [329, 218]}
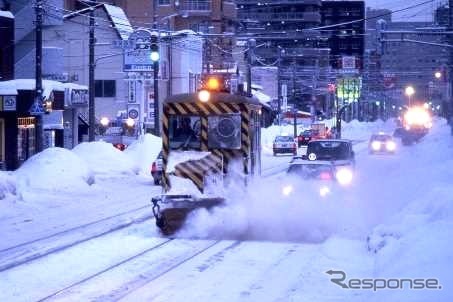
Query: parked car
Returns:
{"type": "Point", "coordinates": [120, 146]}
{"type": "Point", "coordinates": [284, 144]}
{"type": "Point", "coordinates": [156, 169]}
{"type": "Point", "coordinates": [381, 143]}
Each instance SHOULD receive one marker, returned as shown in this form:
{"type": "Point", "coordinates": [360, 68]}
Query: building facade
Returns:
{"type": "Point", "coordinates": [284, 39]}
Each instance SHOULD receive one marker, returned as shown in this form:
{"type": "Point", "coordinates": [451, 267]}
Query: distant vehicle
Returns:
{"type": "Point", "coordinates": [284, 144]}
{"type": "Point", "coordinates": [321, 176]}
{"type": "Point", "coordinates": [305, 137]}
{"type": "Point", "coordinates": [337, 151]}
{"type": "Point", "coordinates": [156, 169]}
{"type": "Point", "coordinates": [382, 143]}
{"type": "Point", "coordinates": [120, 146]}
{"type": "Point", "coordinates": [416, 122]}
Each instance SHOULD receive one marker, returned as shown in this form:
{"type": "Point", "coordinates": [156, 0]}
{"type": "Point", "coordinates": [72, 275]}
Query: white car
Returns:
{"type": "Point", "coordinates": [284, 144]}
{"type": "Point", "coordinates": [322, 177]}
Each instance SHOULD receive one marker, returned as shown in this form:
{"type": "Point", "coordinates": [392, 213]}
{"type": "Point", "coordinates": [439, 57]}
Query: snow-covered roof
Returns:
{"type": "Point", "coordinates": [6, 88]}
{"type": "Point", "coordinates": [119, 20]}
{"type": "Point", "coordinates": [11, 87]}
{"type": "Point", "coordinates": [6, 14]}
{"type": "Point", "coordinates": [116, 15]}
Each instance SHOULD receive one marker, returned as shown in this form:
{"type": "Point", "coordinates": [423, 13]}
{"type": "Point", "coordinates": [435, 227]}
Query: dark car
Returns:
{"type": "Point", "coordinates": [337, 151]}
{"type": "Point", "coordinates": [156, 169]}
{"type": "Point", "coordinates": [284, 144]}
{"type": "Point", "coordinates": [381, 143]}
{"type": "Point", "coordinates": [305, 137]}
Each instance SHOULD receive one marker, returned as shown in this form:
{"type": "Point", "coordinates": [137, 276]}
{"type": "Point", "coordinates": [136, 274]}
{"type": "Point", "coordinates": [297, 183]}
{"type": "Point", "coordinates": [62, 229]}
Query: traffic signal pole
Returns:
{"type": "Point", "coordinates": [91, 83]}
{"type": "Point", "coordinates": [450, 67]}
{"type": "Point", "coordinates": [38, 102]}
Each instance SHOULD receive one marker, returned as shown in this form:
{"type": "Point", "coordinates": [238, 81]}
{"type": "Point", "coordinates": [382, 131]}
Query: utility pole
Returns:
{"type": "Point", "coordinates": [156, 97]}
{"type": "Point", "coordinates": [155, 47]}
{"type": "Point", "coordinates": [450, 67]}
{"type": "Point", "coordinates": [250, 60]}
{"type": "Point", "coordinates": [91, 84]}
{"type": "Point", "coordinates": [37, 108]}
{"type": "Point", "coordinates": [294, 101]}
{"type": "Point", "coordinates": [279, 88]}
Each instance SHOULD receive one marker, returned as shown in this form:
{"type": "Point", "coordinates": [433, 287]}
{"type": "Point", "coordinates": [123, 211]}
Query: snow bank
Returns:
{"type": "Point", "coordinates": [144, 151]}
{"type": "Point", "coordinates": [419, 236]}
{"type": "Point", "coordinates": [103, 158]}
{"type": "Point", "coordinates": [7, 184]}
{"type": "Point", "coordinates": [54, 169]}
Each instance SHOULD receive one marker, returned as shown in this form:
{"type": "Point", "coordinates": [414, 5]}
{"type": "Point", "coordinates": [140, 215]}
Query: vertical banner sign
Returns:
{"type": "Point", "coordinates": [285, 98]}
{"type": "Point", "coordinates": [151, 106]}
{"type": "Point", "coordinates": [131, 93]}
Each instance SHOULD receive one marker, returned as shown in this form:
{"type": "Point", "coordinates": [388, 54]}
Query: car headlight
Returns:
{"type": "Point", "coordinates": [344, 176]}
{"type": "Point", "coordinates": [390, 146]}
{"type": "Point", "coordinates": [287, 190]}
{"type": "Point", "coordinates": [375, 145]}
{"type": "Point", "coordinates": [324, 190]}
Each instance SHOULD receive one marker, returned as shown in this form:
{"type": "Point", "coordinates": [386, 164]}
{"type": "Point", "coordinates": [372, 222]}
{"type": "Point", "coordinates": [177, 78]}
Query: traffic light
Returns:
{"type": "Point", "coordinates": [154, 49]}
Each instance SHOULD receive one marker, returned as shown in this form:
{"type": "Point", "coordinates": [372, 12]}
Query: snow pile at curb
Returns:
{"type": "Point", "coordinates": [7, 184]}
{"type": "Point", "coordinates": [103, 158]}
{"type": "Point", "coordinates": [53, 169]}
{"type": "Point", "coordinates": [416, 242]}
{"type": "Point", "coordinates": [144, 151]}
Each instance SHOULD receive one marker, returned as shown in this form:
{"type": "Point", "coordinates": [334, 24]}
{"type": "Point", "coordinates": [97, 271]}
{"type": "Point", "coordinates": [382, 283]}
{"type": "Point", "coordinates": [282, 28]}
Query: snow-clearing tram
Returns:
{"type": "Point", "coordinates": [208, 139]}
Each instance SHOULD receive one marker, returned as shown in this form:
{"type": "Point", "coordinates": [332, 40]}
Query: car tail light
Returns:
{"type": "Point", "coordinates": [154, 167]}
{"type": "Point", "coordinates": [325, 176]}
{"type": "Point", "coordinates": [294, 145]}
{"type": "Point", "coordinates": [275, 145]}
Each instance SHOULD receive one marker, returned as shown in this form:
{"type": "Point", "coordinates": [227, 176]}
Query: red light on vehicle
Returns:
{"type": "Point", "coordinates": [325, 176]}
{"type": "Point", "coordinates": [154, 167]}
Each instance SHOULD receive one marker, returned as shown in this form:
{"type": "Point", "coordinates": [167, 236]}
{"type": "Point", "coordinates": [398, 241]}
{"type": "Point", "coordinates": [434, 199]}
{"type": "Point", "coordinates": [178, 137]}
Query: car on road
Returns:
{"type": "Point", "coordinates": [320, 177]}
{"type": "Point", "coordinates": [284, 144]}
{"type": "Point", "coordinates": [381, 143]}
{"type": "Point", "coordinates": [156, 169]}
{"type": "Point", "coordinates": [338, 151]}
{"type": "Point", "coordinates": [305, 137]}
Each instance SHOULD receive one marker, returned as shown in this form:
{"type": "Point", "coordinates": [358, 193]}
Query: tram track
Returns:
{"type": "Point", "coordinates": [37, 248]}
{"type": "Point", "coordinates": [153, 263]}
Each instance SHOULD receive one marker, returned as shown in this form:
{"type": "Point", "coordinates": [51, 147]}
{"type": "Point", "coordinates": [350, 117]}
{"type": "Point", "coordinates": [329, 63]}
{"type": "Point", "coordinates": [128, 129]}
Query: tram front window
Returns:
{"type": "Point", "coordinates": [184, 132]}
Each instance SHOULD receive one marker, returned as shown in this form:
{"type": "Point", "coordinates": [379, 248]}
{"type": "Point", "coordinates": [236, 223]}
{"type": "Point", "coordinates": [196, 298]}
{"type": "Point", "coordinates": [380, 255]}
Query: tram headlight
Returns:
{"type": "Point", "coordinates": [204, 96]}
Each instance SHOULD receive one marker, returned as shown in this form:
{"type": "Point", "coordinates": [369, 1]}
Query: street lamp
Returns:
{"type": "Point", "coordinates": [438, 74]}
{"type": "Point", "coordinates": [409, 92]}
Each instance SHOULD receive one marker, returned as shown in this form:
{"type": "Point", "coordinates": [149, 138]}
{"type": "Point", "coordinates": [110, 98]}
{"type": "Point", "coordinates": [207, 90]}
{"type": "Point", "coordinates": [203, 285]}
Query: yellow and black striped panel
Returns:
{"type": "Point", "coordinates": [165, 153]}
{"type": "Point", "coordinates": [203, 109]}
{"type": "Point", "coordinates": [195, 170]}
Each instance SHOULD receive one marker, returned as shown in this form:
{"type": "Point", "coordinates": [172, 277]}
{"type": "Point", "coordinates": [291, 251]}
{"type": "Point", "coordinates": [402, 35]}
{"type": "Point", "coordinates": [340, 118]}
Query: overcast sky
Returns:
{"type": "Point", "coordinates": [420, 13]}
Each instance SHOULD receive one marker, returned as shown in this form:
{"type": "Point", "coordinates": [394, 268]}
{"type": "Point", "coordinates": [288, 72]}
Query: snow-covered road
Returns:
{"type": "Point", "coordinates": [396, 221]}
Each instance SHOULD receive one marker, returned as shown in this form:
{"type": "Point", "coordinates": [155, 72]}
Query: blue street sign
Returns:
{"type": "Point", "coordinates": [36, 108]}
